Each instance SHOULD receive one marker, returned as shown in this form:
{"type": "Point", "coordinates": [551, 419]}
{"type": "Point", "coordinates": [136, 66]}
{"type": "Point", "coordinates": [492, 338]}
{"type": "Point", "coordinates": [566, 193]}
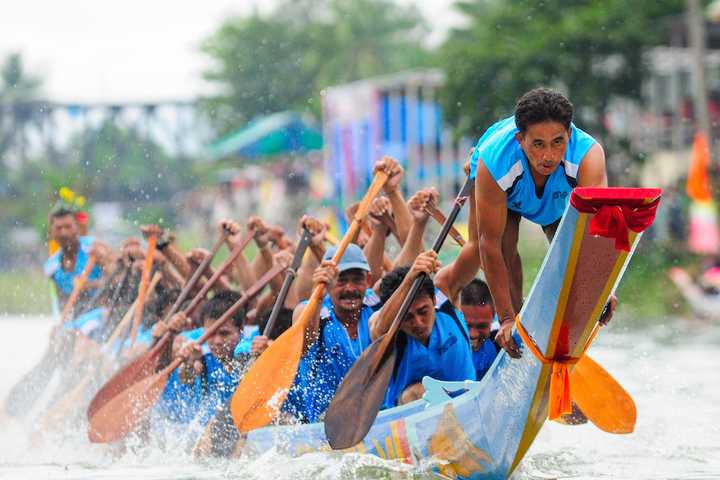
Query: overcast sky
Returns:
{"type": "Point", "coordinates": [100, 50]}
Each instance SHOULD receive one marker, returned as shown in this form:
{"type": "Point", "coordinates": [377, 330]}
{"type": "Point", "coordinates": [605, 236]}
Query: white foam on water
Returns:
{"type": "Point", "coordinates": [671, 373]}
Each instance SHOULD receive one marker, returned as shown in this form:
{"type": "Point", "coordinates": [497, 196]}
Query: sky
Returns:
{"type": "Point", "coordinates": [134, 50]}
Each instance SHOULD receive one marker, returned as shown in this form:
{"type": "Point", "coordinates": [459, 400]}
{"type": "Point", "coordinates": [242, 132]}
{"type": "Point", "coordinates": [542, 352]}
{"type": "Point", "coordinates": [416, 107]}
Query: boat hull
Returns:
{"type": "Point", "coordinates": [486, 431]}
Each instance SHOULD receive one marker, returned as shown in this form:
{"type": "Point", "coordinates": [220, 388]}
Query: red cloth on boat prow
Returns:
{"type": "Point", "coordinates": [616, 210]}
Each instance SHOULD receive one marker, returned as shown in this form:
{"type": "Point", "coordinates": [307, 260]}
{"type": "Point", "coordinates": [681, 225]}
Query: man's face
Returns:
{"type": "Point", "coordinates": [348, 291]}
{"type": "Point", "coordinates": [420, 319]}
{"type": "Point", "coordinates": [64, 231]}
{"type": "Point", "coordinates": [479, 319]}
{"type": "Point", "coordinates": [223, 343]}
{"type": "Point", "coordinates": [544, 144]}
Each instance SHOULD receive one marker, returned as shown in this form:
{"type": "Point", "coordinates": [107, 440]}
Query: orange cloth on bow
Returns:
{"type": "Point", "coordinates": [560, 402]}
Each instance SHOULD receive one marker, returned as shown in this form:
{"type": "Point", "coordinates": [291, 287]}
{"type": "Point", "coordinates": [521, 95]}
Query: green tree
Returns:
{"type": "Point", "coordinates": [593, 50]}
{"type": "Point", "coordinates": [18, 89]}
{"type": "Point", "coordinates": [267, 64]}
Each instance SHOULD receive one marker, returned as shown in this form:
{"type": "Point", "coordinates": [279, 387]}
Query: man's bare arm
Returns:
{"type": "Point", "coordinates": [592, 168]}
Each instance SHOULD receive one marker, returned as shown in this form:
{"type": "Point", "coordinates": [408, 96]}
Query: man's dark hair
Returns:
{"type": "Point", "coordinates": [392, 281]}
{"type": "Point", "coordinates": [61, 212]}
{"type": "Point", "coordinates": [163, 298]}
{"type": "Point", "coordinates": [221, 303]}
{"type": "Point", "coordinates": [283, 322]}
{"type": "Point", "coordinates": [475, 293]}
{"type": "Point", "coordinates": [542, 105]}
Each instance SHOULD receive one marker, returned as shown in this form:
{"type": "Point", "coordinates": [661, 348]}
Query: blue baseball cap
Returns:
{"type": "Point", "coordinates": [352, 258]}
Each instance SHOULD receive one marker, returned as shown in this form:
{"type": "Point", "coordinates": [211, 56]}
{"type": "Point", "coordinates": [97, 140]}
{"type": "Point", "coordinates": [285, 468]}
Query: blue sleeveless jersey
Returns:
{"type": "Point", "coordinates": [64, 280]}
{"type": "Point", "coordinates": [326, 363]}
{"type": "Point", "coordinates": [484, 357]}
{"type": "Point", "coordinates": [200, 400]}
{"type": "Point", "coordinates": [507, 163]}
{"type": "Point", "coordinates": [447, 356]}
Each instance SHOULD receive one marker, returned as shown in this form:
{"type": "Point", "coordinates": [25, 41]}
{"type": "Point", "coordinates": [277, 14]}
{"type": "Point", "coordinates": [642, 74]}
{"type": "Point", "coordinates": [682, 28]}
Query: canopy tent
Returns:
{"type": "Point", "coordinates": [276, 134]}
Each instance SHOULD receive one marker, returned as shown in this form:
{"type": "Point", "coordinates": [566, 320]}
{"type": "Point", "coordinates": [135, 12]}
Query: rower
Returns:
{"type": "Point", "coordinates": [337, 336]}
{"type": "Point", "coordinates": [433, 337]}
{"type": "Point", "coordinates": [70, 260]}
{"type": "Point", "coordinates": [526, 166]}
{"type": "Point", "coordinates": [477, 308]}
{"type": "Point", "coordinates": [207, 379]}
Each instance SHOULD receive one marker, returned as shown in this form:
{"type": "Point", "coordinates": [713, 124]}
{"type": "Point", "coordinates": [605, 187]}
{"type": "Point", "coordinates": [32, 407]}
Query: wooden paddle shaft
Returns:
{"type": "Point", "coordinates": [444, 231]}
{"type": "Point", "coordinates": [289, 278]}
{"type": "Point", "coordinates": [78, 285]}
{"type": "Point", "coordinates": [439, 217]}
{"type": "Point", "coordinates": [219, 272]}
{"type": "Point", "coordinates": [128, 315]}
{"type": "Point", "coordinates": [144, 280]}
{"type": "Point", "coordinates": [360, 214]}
{"type": "Point", "coordinates": [242, 301]}
{"type": "Point", "coordinates": [190, 284]}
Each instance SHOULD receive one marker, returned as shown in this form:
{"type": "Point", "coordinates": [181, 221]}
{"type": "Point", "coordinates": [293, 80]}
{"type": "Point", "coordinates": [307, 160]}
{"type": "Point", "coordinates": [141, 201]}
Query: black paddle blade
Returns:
{"type": "Point", "coordinates": [360, 395]}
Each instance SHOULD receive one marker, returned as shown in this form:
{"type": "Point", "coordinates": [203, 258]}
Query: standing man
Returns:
{"type": "Point", "coordinates": [526, 166]}
{"type": "Point", "coordinates": [70, 260]}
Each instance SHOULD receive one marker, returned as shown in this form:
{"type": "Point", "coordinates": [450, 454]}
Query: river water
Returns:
{"type": "Point", "coordinates": [672, 369]}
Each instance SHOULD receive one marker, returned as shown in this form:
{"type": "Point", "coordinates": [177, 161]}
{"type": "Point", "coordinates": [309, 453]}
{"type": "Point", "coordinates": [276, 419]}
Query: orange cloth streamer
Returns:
{"type": "Point", "coordinates": [560, 402]}
{"type": "Point", "coordinates": [698, 181]}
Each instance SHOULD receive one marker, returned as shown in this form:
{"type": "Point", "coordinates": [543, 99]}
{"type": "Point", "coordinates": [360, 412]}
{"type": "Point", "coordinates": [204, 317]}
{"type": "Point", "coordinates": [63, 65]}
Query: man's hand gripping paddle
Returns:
{"type": "Point", "coordinates": [358, 399]}
{"type": "Point", "coordinates": [123, 413]}
{"type": "Point", "coordinates": [145, 364]}
{"type": "Point", "coordinates": [220, 433]}
{"type": "Point", "coordinates": [264, 388]}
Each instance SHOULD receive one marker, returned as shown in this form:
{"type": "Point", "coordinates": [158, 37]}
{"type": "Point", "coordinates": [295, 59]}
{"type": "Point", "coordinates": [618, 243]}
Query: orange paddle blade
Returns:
{"type": "Point", "coordinates": [601, 398]}
{"type": "Point", "coordinates": [123, 413]}
{"type": "Point", "coordinates": [263, 390]}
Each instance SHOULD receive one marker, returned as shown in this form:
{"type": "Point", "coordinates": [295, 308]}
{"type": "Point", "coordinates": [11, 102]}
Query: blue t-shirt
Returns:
{"type": "Point", "coordinates": [327, 361]}
{"type": "Point", "coordinates": [447, 356]}
{"type": "Point", "coordinates": [64, 280]}
{"type": "Point", "coordinates": [484, 357]}
{"type": "Point", "coordinates": [200, 400]}
{"type": "Point", "coordinates": [507, 163]}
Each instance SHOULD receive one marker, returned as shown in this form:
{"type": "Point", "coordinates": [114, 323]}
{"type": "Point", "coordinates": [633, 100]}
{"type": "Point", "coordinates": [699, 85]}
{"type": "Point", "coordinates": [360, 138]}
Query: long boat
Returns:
{"type": "Point", "coordinates": [485, 430]}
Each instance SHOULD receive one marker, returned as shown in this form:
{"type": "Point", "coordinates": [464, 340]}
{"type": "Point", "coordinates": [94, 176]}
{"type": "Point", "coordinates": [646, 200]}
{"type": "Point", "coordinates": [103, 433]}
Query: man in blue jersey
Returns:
{"type": "Point", "coordinates": [526, 166]}
{"type": "Point", "coordinates": [336, 336]}
{"type": "Point", "coordinates": [433, 337]}
{"type": "Point", "coordinates": [477, 308]}
{"type": "Point", "coordinates": [70, 260]}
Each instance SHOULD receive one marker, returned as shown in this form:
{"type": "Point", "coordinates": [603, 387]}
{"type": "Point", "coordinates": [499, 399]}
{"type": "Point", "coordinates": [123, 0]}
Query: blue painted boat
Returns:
{"type": "Point", "coordinates": [485, 431]}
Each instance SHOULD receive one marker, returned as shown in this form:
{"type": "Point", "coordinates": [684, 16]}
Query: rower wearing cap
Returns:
{"type": "Point", "coordinates": [337, 336]}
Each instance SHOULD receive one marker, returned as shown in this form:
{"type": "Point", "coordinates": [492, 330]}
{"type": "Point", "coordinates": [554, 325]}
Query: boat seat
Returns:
{"type": "Point", "coordinates": [438, 391]}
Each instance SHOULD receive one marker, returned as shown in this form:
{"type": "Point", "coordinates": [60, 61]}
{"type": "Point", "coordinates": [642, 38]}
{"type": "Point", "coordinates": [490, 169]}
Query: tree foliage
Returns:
{"type": "Point", "coordinates": [265, 64]}
{"type": "Point", "coordinates": [592, 50]}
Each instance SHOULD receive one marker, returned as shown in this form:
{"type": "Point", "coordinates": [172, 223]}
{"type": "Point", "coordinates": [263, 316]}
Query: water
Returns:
{"type": "Point", "coordinates": [671, 370]}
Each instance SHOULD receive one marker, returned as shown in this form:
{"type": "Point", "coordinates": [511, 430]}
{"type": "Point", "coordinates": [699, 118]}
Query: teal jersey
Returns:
{"type": "Point", "coordinates": [507, 163]}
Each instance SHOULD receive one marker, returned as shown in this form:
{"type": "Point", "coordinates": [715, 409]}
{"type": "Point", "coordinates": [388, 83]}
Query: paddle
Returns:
{"type": "Point", "coordinates": [78, 286]}
{"type": "Point", "coordinates": [601, 398]}
{"type": "Point", "coordinates": [288, 281]}
{"type": "Point", "coordinates": [144, 279]}
{"type": "Point", "coordinates": [68, 404]}
{"type": "Point", "coordinates": [221, 429]}
{"type": "Point", "coordinates": [145, 364]}
{"type": "Point", "coordinates": [262, 391]}
{"type": "Point", "coordinates": [29, 387]}
{"type": "Point", "coordinates": [123, 413]}
{"type": "Point", "coordinates": [363, 389]}
{"type": "Point", "coordinates": [439, 217]}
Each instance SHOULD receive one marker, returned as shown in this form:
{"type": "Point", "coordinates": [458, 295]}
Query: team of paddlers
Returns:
{"type": "Point", "coordinates": [132, 311]}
